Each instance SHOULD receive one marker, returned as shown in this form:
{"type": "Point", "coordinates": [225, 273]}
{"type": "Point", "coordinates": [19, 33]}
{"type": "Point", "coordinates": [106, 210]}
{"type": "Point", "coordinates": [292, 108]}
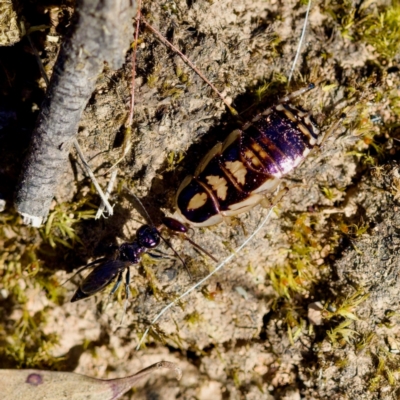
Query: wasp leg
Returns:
{"type": "Point", "coordinates": [160, 255]}
{"type": "Point", "coordinates": [116, 286]}
{"type": "Point", "coordinates": [177, 254]}
{"type": "Point", "coordinates": [113, 290]}
{"type": "Point", "coordinates": [127, 282]}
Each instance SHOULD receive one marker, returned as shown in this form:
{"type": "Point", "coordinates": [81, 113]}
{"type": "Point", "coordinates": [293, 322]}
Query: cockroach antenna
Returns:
{"type": "Point", "coordinates": [303, 33]}
{"type": "Point", "coordinates": [191, 65]}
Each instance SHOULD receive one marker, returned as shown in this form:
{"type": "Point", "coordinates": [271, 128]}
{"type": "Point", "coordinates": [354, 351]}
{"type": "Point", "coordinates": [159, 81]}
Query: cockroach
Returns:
{"type": "Point", "coordinates": [238, 173]}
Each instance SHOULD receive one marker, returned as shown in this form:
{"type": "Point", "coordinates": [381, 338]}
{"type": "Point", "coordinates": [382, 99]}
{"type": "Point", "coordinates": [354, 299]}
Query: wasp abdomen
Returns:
{"type": "Point", "coordinates": [235, 175]}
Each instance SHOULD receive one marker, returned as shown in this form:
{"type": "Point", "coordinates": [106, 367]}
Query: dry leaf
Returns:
{"type": "Point", "coordinates": [34, 384]}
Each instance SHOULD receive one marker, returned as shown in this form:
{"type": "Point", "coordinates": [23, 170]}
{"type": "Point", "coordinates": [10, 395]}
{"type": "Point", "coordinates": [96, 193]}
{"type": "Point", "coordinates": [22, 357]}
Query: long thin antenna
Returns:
{"type": "Point", "coordinates": [191, 65]}
{"type": "Point", "coordinates": [146, 214]}
{"type": "Point", "coordinates": [198, 247]}
{"type": "Point", "coordinates": [194, 287]}
{"type": "Point", "coordinates": [132, 105]}
{"type": "Point", "coordinates": [177, 254]}
{"type": "Point", "coordinates": [303, 33]}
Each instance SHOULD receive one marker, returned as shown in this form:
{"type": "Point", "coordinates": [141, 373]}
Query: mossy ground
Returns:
{"type": "Point", "coordinates": [311, 307]}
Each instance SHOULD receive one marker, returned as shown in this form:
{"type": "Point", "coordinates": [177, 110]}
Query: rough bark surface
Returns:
{"type": "Point", "coordinates": [101, 32]}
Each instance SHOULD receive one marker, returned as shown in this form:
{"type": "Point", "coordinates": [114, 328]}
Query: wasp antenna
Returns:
{"type": "Point", "coordinates": [177, 254]}
{"type": "Point", "coordinates": [198, 247]}
{"type": "Point", "coordinates": [127, 282]}
{"type": "Point", "coordinates": [146, 214]}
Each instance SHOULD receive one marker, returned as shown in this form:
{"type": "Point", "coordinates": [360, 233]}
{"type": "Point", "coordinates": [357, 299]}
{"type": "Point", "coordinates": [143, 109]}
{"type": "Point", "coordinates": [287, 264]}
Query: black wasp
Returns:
{"type": "Point", "coordinates": [108, 271]}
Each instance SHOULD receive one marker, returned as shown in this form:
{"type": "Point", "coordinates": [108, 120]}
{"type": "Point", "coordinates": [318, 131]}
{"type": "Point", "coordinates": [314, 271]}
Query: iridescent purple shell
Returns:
{"type": "Point", "coordinates": [236, 174]}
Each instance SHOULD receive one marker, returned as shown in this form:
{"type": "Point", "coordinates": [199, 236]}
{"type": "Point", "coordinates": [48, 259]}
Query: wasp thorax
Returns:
{"type": "Point", "coordinates": [236, 174]}
{"type": "Point", "coordinates": [131, 252]}
{"type": "Point", "coordinates": [148, 236]}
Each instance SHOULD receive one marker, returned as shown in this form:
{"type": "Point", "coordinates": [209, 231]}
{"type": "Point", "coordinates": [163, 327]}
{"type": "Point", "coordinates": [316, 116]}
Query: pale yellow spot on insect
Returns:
{"type": "Point", "coordinates": [290, 115]}
{"type": "Point", "coordinates": [250, 156]}
{"type": "Point", "coordinates": [259, 150]}
{"type": "Point", "coordinates": [219, 185]}
{"type": "Point", "coordinates": [197, 201]}
{"type": "Point", "coordinates": [238, 170]}
{"type": "Point", "coordinates": [256, 147]}
{"type": "Point", "coordinates": [305, 131]}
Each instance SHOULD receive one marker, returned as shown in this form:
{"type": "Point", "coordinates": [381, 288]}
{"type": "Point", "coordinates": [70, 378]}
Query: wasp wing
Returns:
{"type": "Point", "coordinates": [102, 276]}
{"type": "Point", "coordinates": [99, 278]}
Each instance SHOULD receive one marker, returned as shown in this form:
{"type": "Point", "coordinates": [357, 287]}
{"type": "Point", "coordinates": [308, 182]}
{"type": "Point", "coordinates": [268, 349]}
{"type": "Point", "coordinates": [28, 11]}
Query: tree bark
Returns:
{"type": "Point", "coordinates": [101, 32]}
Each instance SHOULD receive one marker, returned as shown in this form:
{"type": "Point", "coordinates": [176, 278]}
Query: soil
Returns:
{"type": "Point", "coordinates": [310, 308]}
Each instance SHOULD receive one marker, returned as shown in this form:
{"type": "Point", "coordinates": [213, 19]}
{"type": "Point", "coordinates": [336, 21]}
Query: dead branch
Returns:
{"type": "Point", "coordinates": [101, 32]}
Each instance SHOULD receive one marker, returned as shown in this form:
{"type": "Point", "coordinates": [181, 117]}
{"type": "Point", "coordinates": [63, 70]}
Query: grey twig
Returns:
{"type": "Point", "coordinates": [101, 31]}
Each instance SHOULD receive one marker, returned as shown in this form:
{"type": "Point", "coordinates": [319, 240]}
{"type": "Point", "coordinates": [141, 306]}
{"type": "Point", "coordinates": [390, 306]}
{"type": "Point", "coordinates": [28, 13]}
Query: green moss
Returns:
{"type": "Point", "coordinates": [193, 319]}
{"type": "Point", "coordinates": [344, 307]}
{"type": "Point", "coordinates": [328, 193]}
{"type": "Point", "coordinates": [382, 30]}
{"type": "Point", "coordinates": [61, 223]}
{"type": "Point", "coordinates": [386, 365]}
{"type": "Point", "coordinates": [170, 90]}
{"type": "Point", "coordinates": [27, 345]}
{"type": "Point", "coordinates": [341, 334]}
{"type": "Point", "coordinates": [376, 26]}
{"type": "Point", "coordinates": [286, 281]}
{"type": "Point", "coordinates": [365, 341]}
{"type": "Point", "coordinates": [23, 270]}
